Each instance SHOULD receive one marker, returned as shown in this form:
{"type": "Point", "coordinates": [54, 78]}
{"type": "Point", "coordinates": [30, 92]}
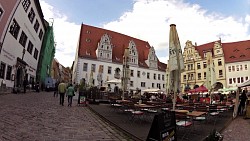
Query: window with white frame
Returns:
{"type": "Point", "coordinates": [143, 84]}
{"type": "Point", "coordinates": [241, 67]}
{"type": "Point", "coordinates": [36, 54]}
{"type": "Point", "coordinates": [219, 62]}
{"type": "Point", "coordinates": [242, 79]}
{"type": "Point", "coordinates": [138, 74]}
{"type": "Point", "coordinates": [93, 66]}
{"type": "Point", "coordinates": [85, 66]}
{"type": "Point", "coordinates": [148, 75]}
{"type": "Point", "coordinates": [31, 15]}
{"type": "Point", "coordinates": [205, 75]}
{"type": "Point", "coordinates": [198, 66]}
{"type": "Point", "coordinates": [162, 77]}
{"type": "Point", "coordinates": [131, 83]}
{"type": "Point", "coordinates": [26, 5]}
{"type": "Point", "coordinates": [2, 70]}
{"type": "Point", "coordinates": [204, 65]}
{"type": "Point", "coordinates": [233, 68]}
{"type": "Point", "coordinates": [109, 69]}
{"type": "Point", "coordinates": [154, 76]}
{"type": "Point", "coordinates": [159, 76]}
{"type": "Point", "coordinates": [40, 34]}
{"type": "Point", "coordinates": [14, 28]}
{"type": "Point", "coordinates": [229, 68]}
{"type": "Point", "coordinates": [237, 68]}
{"type": "Point", "coordinates": [23, 39]}
{"type": "Point", "coordinates": [230, 81]}
{"type": "Point", "coordinates": [184, 77]}
{"type": "Point", "coordinates": [30, 47]}
{"type": "Point", "coordinates": [1, 12]}
{"type": "Point", "coordinates": [199, 76]}
{"type": "Point", "coordinates": [36, 25]}
{"type": "Point", "coordinates": [246, 67]}
{"type": "Point", "coordinates": [153, 85]}
{"type": "Point", "coordinates": [220, 73]}
{"type": "Point", "coordinates": [8, 73]}
{"type": "Point", "coordinates": [132, 73]}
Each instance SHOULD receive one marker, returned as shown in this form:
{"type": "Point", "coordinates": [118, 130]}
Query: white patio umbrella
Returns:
{"type": "Point", "coordinates": [114, 81]}
{"type": "Point", "coordinates": [176, 63]}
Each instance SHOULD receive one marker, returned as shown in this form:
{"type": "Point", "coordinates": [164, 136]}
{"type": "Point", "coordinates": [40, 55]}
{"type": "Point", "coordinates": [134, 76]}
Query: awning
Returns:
{"type": "Point", "coordinates": [247, 83]}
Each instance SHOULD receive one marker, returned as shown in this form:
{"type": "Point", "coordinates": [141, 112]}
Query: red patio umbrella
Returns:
{"type": "Point", "coordinates": [199, 89]}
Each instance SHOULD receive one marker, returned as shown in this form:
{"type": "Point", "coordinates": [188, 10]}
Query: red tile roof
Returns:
{"type": "Point", "coordinates": [205, 47]}
{"type": "Point", "coordinates": [236, 51]}
{"type": "Point", "coordinates": [119, 41]}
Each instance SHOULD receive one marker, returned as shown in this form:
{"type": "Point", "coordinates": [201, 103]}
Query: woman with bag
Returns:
{"type": "Point", "coordinates": [70, 93]}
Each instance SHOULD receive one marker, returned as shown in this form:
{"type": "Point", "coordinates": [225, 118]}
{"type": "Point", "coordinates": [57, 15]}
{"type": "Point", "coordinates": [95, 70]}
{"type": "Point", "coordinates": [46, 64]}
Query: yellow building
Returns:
{"type": "Point", "coordinates": [196, 62]}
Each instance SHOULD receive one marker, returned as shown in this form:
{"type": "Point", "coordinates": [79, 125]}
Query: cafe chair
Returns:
{"type": "Point", "coordinates": [183, 123]}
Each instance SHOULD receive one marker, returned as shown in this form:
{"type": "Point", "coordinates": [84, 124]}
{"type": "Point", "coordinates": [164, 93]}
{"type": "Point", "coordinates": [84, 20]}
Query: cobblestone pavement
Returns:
{"type": "Point", "coordinates": [238, 130]}
{"type": "Point", "coordinates": [38, 116]}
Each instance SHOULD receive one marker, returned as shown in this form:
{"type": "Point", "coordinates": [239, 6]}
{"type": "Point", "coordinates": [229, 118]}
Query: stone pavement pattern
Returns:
{"type": "Point", "coordinates": [238, 130]}
{"type": "Point", "coordinates": [38, 116]}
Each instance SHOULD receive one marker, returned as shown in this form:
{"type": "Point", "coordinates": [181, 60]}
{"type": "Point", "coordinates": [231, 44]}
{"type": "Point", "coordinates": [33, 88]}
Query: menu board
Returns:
{"type": "Point", "coordinates": [163, 127]}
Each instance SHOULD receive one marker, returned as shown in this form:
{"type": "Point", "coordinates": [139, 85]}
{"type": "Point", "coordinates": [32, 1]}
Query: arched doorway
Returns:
{"type": "Point", "coordinates": [196, 86]}
{"type": "Point", "coordinates": [218, 85]}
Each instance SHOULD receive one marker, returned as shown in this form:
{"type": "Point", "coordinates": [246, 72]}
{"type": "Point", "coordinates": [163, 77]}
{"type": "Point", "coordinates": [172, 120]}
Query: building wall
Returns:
{"type": "Point", "coordinates": [192, 58]}
{"type": "Point", "coordinates": [8, 7]}
{"type": "Point", "coordinates": [106, 76]}
{"type": "Point", "coordinates": [12, 49]}
{"type": "Point", "coordinates": [237, 75]}
{"type": "Point", "coordinates": [47, 55]}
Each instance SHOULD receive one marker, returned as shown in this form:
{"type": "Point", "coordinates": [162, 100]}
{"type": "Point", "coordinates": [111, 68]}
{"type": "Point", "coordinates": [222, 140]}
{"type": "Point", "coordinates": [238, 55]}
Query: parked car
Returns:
{"type": "Point", "coordinates": [49, 84]}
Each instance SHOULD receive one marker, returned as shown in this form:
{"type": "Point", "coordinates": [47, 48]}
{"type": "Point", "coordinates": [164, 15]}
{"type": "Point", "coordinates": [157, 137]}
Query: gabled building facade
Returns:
{"type": "Point", "coordinates": [21, 42]}
{"type": "Point", "coordinates": [100, 52]}
{"type": "Point", "coordinates": [196, 62]}
{"type": "Point", "coordinates": [237, 62]}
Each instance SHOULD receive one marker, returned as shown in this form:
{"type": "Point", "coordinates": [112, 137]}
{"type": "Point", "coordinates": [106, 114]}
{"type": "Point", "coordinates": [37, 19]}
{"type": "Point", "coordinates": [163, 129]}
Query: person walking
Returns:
{"type": "Point", "coordinates": [70, 93]}
{"type": "Point", "coordinates": [62, 89]}
{"type": "Point", "coordinates": [56, 89]}
{"type": "Point", "coordinates": [243, 99]}
{"type": "Point", "coordinates": [25, 83]}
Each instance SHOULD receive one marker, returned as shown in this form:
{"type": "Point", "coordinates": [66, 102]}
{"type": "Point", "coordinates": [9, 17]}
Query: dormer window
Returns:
{"type": "Point", "coordinates": [242, 55]}
{"type": "Point", "coordinates": [232, 57]}
{"type": "Point", "coordinates": [88, 40]}
{"type": "Point", "coordinates": [236, 50]}
{"type": "Point", "coordinates": [248, 48]}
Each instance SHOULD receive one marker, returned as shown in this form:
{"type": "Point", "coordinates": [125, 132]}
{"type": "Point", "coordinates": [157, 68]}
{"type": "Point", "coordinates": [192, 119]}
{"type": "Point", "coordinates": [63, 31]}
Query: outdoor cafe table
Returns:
{"type": "Point", "coordinates": [196, 113]}
{"type": "Point", "coordinates": [123, 101]}
{"type": "Point", "coordinates": [144, 106]}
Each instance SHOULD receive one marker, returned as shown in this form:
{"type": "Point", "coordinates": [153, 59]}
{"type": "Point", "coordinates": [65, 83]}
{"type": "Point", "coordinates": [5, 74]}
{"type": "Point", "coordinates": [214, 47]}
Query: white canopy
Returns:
{"type": "Point", "coordinates": [247, 83]}
{"type": "Point", "coordinates": [152, 90]}
{"type": "Point", "coordinates": [114, 81]}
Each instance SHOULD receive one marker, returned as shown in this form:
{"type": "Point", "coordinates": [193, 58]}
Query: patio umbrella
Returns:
{"type": "Point", "coordinates": [176, 63]}
{"type": "Point", "coordinates": [114, 81]}
{"type": "Point", "coordinates": [199, 89]}
{"type": "Point", "coordinates": [91, 79]}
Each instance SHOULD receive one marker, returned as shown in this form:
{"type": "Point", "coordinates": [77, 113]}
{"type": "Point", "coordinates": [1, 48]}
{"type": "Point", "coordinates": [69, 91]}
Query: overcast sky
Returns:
{"type": "Point", "coordinates": [199, 21]}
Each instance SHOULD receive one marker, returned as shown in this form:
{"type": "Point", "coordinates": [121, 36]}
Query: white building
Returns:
{"type": "Point", "coordinates": [99, 57]}
{"type": "Point", "coordinates": [237, 62]}
{"type": "Point", "coordinates": [22, 43]}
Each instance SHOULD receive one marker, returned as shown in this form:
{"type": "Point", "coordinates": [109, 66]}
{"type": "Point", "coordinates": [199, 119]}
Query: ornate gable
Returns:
{"type": "Point", "coordinates": [133, 54]}
{"type": "Point", "coordinates": [104, 48]}
{"type": "Point", "coordinates": [152, 59]}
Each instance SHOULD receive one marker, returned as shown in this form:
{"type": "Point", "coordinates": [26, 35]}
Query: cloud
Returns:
{"type": "Point", "coordinates": [66, 34]}
{"type": "Point", "coordinates": [149, 20]}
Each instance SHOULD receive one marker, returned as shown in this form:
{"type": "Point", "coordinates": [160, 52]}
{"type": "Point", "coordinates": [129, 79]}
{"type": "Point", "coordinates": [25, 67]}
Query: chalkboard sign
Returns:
{"type": "Point", "coordinates": [163, 127]}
